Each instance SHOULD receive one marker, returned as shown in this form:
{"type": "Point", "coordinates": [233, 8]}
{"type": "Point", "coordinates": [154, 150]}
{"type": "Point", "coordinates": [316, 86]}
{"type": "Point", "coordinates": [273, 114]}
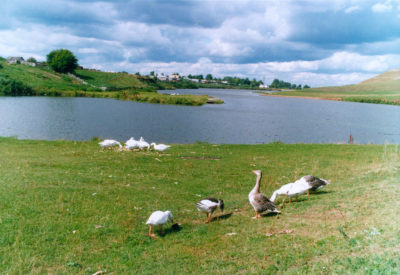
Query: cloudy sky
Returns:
{"type": "Point", "coordinates": [314, 42]}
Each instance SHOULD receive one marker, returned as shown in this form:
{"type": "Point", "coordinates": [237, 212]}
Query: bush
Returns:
{"type": "Point", "coordinates": [62, 61]}
{"type": "Point", "coordinates": [14, 88]}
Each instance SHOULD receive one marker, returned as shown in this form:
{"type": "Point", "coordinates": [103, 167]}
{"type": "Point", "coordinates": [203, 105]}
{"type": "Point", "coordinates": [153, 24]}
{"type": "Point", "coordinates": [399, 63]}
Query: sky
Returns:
{"type": "Point", "coordinates": [314, 42]}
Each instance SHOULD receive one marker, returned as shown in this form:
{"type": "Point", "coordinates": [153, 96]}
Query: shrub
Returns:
{"type": "Point", "coordinates": [62, 61]}
{"type": "Point", "coordinates": [14, 87]}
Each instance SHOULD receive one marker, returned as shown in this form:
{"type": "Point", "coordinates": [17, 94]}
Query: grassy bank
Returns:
{"type": "Point", "coordinates": [381, 89]}
{"type": "Point", "coordinates": [23, 80]}
{"type": "Point", "coordinates": [72, 208]}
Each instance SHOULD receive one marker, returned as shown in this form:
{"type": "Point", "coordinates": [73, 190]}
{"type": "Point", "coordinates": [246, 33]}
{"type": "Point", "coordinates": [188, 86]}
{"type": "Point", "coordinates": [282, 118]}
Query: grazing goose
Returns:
{"type": "Point", "coordinates": [209, 205]}
{"type": "Point", "coordinates": [259, 201]}
{"type": "Point", "coordinates": [131, 143]}
{"type": "Point", "coordinates": [143, 144]}
{"type": "Point", "coordinates": [293, 189]}
{"type": "Point", "coordinates": [158, 218]}
{"type": "Point", "coordinates": [108, 143]}
{"type": "Point", "coordinates": [314, 182]}
{"type": "Point", "coordinates": [160, 147]}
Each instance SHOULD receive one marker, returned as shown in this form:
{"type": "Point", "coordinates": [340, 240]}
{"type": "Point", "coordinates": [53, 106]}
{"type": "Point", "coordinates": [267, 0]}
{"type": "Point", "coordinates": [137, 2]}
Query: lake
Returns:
{"type": "Point", "coordinates": [245, 118]}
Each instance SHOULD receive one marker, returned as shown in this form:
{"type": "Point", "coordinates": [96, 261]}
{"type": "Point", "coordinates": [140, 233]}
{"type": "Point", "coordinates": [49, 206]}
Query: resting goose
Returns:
{"type": "Point", "coordinates": [209, 205]}
{"type": "Point", "coordinates": [160, 147]}
{"type": "Point", "coordinates": [131, 143]}
{"type": "Point", "coordinates": [158, 218]}
{"type": "Point", "coordinates": [259, 201]}
{"type": "Point", "coordinates": [109, 143]}
{"type": "Point", "coordinates": [143, 144]}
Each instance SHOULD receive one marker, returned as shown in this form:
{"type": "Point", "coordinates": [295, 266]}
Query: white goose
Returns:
{"type": "Point", "coordinates": [143, 144]}
{"type": "Point", "coordinates": [305, 184]}
{"type": "Point", "coordinates": [158, 218]}
{"type": "Point", "coordinates": [108, 143]}
{"type": "Point", "coordinates": [160, 147]}
{"type": "Point", "coordinates": [259, 201]}
{"type": "Point", "coordinates": [131, 144]}
{"type": "Point", "coordinates": [209, 205]}
{"type": "Point", "coordinates": [290, 190]}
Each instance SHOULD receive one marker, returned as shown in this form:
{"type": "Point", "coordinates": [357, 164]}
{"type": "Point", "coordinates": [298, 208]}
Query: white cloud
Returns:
{"type": "Point", "coordinates": [352, 9]}
{"type": "Point", "coordinates": [382, 7]}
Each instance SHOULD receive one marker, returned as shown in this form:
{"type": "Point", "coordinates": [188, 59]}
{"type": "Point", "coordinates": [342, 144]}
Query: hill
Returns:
{"type": "Point", "coordinates": [383, 89]}
{"type": "Point", "coordinates": [19, 79]}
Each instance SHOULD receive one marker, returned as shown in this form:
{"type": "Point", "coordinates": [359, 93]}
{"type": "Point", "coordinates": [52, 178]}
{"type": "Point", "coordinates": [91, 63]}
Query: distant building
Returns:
{"type": "Point", "coordinates": [262, 86]}
{"type": "Point", "coordinates": [174, 77]}
{"type": "Point", "coordinates": [162, 78]}
{"type": "Point", "coordinates": [15, 60]}
{"type": "Point", "coordinates": [19, 60]}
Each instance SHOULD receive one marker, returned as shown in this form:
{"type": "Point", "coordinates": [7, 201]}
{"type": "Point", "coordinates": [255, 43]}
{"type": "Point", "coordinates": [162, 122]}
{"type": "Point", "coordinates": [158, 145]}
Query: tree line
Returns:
{"type": "Point", "coordinates": [280, 84]}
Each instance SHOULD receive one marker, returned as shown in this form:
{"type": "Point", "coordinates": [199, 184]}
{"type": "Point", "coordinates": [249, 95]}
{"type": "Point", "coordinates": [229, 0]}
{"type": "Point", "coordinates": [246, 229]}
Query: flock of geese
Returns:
{"type": "Point", "coordinates": [131, 143]}
{"type": "Point", "coordinates": [260, 202]}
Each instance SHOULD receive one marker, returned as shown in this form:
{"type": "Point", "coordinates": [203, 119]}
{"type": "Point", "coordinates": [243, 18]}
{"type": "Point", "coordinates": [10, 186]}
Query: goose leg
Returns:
{"type": "Point", "coordinates": [151, 235]}
{"type": "Point", "coordinates": [283, 202]}
{"type": "Point", "coordinates": [209, 217]}
{"type": "Point", "coordinates": [256, 216]}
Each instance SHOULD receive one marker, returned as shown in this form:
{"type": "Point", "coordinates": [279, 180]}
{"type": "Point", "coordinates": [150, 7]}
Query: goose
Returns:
{"type": "Point", "coordinates": [259, 201]}
{"type": "Point", "coordinates": [293, 189]}
{"type": "Point", "coordinates": [314, 182]}
{"type": "Point", "coordinates": [131, 143]}
{"type": "Point", "coordinates": [143, 144]}
{"type": "Point", "coordinates": [109, 143]}
{"type": "Point", "coordinates": [160, 147]}
{"type": "Point", "coordinates": [305, 184]}
{"type": "Point", "coordinates": [209, 205]}
{"type": "Point", "coordinates": [158, 218]}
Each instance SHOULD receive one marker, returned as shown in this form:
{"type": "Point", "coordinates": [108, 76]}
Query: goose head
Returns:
{"type": "Point", "coordinates": [221, 205]}
{"type": "Point", "coordinates": [169, 215]}
{"type": "Point", "coordinates": [257, 172]}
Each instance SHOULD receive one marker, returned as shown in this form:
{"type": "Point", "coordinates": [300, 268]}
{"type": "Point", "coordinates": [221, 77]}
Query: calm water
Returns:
{"type": "Point", "coordinates": [245, 117]}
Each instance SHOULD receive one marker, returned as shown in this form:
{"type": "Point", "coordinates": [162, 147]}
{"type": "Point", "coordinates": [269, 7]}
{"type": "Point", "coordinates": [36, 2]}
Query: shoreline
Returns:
{"type": "Point", "coordinates": [355, 99]}
{"type": "Point", "coordinates": [306, 97]}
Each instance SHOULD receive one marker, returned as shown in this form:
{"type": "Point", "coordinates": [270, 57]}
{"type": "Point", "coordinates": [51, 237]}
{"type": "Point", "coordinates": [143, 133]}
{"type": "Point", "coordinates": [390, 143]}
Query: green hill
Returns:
{"type": "Point", "coordinates": [383, 88]}
{"type": "Point", "coordinates": [19, 79]}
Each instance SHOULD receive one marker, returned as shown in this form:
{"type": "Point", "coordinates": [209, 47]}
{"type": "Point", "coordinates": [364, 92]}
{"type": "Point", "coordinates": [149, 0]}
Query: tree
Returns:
{"type": "Point", "coordinates": [32, 60]}
{"type": "Point", "coordinates": [209, 77]}
{"type": "Point", "coordinates": [62, 61]}
{"type": "Point", "coordinates": [306, 87]}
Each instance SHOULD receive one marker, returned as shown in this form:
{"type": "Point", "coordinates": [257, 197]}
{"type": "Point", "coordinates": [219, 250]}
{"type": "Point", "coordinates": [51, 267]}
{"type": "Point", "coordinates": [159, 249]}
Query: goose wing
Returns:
{"type": "Point", "coordinates": [262, 203]}
{"type": "Point", "coordinates": [207, 205]}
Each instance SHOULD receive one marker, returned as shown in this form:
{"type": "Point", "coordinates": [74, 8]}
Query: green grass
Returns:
{"type": "Point", "coordinates": [44, 82]}
{"type": "Point", "coordinates": [382, 89]}
{"type": "Point", "coordinates": [73, 208]}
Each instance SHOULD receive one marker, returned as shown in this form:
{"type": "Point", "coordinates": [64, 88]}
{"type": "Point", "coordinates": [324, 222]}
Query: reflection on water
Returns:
{"type": "Point", "coordinates": [245, 117]}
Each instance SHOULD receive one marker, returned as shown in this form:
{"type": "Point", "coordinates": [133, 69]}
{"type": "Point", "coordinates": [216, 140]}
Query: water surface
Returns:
{"type": "Point", "coordinates": [246, 118]}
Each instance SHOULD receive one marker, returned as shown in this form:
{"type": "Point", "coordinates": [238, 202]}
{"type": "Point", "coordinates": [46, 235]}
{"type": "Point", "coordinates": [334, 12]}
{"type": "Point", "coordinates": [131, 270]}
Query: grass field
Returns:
{"type": "Point", "coordinates": [382, 89]}
{"type": "Point", "coordinates": [73, 208]}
